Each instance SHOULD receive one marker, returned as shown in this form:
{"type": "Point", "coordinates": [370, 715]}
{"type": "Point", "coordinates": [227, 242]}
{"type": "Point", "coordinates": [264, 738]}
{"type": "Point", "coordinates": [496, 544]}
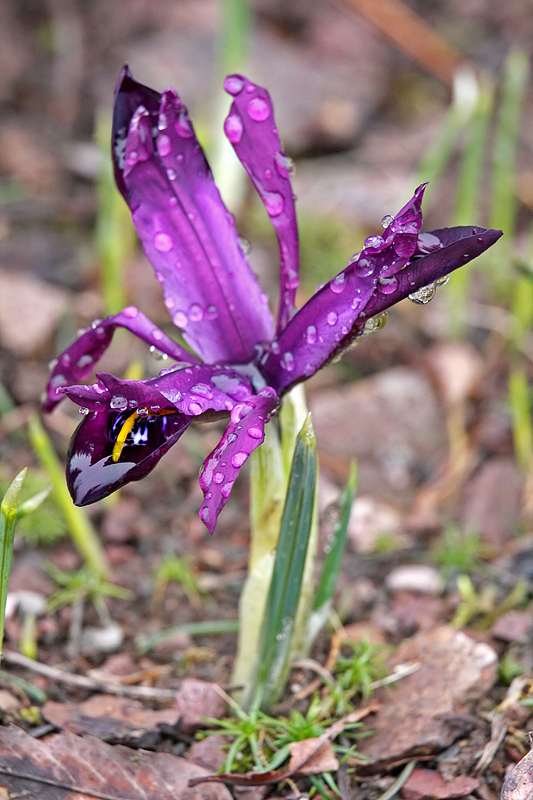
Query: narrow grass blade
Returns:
{"type": "Point", "coordinates": [114, 233]}
{"type": "Point", "coordinates": [82, 532]}
{"type": "Point", "coordinates": [335, 550]}
{"type": "Point", "coordinates": [467, 199]}
{"type": "Point", "coordinates": [520, 404]}
{"type": "Point", "coordinates": [503, 190]}
{"type": "Point", "coordinates": [278, 623]}
{"type": "Point", "coordinates": [464, 101]}
{"type": "Point", "coordinates": [202, 628]}
{"type": "Point", "coordinates": [8, 519]}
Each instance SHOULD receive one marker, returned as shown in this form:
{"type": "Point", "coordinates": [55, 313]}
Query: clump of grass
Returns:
{"type": "Point", "coordinates": [458, 551]}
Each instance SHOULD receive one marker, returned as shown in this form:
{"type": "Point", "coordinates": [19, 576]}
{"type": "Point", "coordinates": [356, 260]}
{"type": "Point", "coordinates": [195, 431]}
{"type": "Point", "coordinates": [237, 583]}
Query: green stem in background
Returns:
{"type": "Point", "coordinates": [8, 519]}
{"type": "Point", "coordinates": [114, 233]}
{"type": "Point", "coordinates": [467, 199]}
{"type": "Point", "coordinates": [503, 190]}
{"type": "Point", "coordinates": [82, 532]}
{"type": "Point", "coordinates": [275, 644]}
{"type": "Point", "coordinates": [269, 477]}
{"type": "Point", "coordinates": [520, 404]}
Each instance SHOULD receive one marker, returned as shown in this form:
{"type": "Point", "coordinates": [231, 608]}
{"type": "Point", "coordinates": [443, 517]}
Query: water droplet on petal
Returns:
{"type": "Point", "coordinates": [388, 285]}
{"type": "Point", "coordinates": [338, 284]}
{"type": "Point", "coordinates": [310, 334]}
{"type": "Point", "coordinates": [195, 408]}
{"type": "Point", "coordinates": [226, 489]}
{"type": "Point", "coordinates": [245, 245]}
{"type": "Point", "coordinates": [164, 145]}
{"type": "Point", "coordinates": [196, 313]}
{"type": "Point", "coordinates": [258, 109]}
{"type": "Point", "coordinates": [83, 411]}
{"type": "Point", "coordinates": [163, 242]}
{"type": "Point", "coordinates": [332, 318]}
{"type": "Point", "coordinates": [292, 280]}
{"type": "Point", "coordinates": [203, 390]}
{"type": "Point", "coordinates": [172, 175]}
{"type": "Point", "coordinates": [158, 354]}
{"type": "Point", "coordinates": [375, 323]}
{"type": "Point", "coordinates": [274, 203]}
{"type": "Point", "coordinates": [143, 412]}
{"type": "Point", "coordinates": [274, 347]}
{"type": "Point", "coordinates": [233, 128]}
{"type": "Point", "coordinates": [84, 361]}
{"type": "Point", "coordinates": [373, 241]}
{"type": "Point", "coordinates": [180, 158]}
{"type": "Point", "coordinates": [183, 126]}
{"type": "Point", "coordinates": [118, 403]}
{"type": "Point", "coordinates": [53, 364]}
{"type": "Point", "coordinates": [157, 334]}
{"type": "Point", "coordinates": [170, 303]}
{"type": "Point", "coordinates": [287, 362]}
{"type": "Point", "coordinates": [233, 85]}
{"type": "Point", "coordinates": [284, 165]}
{"type": "Point", "coordinates": [387, 220]}
{"type": "Point", "coordinates": [239, 459]}
{"type": "Point", "coordinates": [363, 267]}
{"type": "Point", "coordinates": [218, 477]}
{"type": "Point", "coordinates": [443, 281]}
{"type": "Point", "coordinates": [255, 433]}
{"type": "Point", "coordinates": [180, 319]}
{"type": "Point", "coordinates": [212, 312]}
{"type": "Point", "coordinates": [264, 298]}
{"type": "Point", "coordinates": [267, 173]}
{"type": "Point", "coordinates": [204, 514]}
{"type": "Point", "coordinates": [423, 295]}
{"type": "Point", "coordinates": [131, 312]}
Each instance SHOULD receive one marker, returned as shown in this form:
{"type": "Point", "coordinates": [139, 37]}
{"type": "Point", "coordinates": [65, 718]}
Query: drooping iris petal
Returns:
{"type": "Point", "coordinates": [315, 332]}
{"type": "Point", "coordinates": [251, 129]}
{"type": "Point", "coordinates": [188, 235]}
{"type": "Point", "coordinates": [80, 358]}
{"type": "Point", "coordinates": [92, 471]}
{"type": "Point", "coordinates": [244, 433]}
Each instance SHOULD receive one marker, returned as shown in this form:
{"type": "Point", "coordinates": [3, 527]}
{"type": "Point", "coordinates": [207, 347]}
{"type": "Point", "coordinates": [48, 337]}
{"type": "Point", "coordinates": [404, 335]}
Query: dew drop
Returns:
{"type": "Point", "coordinates": [423, 295]}
{"type": "Point", "coordinates": [172, 175]}
{"type": "Point", "coordinates": [233, 85]}
{"type": "Point", "coordinates": [338, 284]}
{"type": "Point", "coordinates": [196, 313]}
{"type": "Point", "coordinates": [264, 298]}
{"type": "Point", "coordinates": [157, 334]}
{"type": "Point", "coordinates": [233, 128]}
{"type": "Point", "coordinates": [170, 303]}
{"type": "Point", "coordinates": [100, 332]}
{"type": "Point", "coordinates": [203, 390]}
{"type": "Point", "coordinates": [212, 312]}
{"type": "Point", "coordinates": [332, 318]}
{"type": "Point", "coordinates": [387, 220]}
{"type": "Point", "coordinates": [118, 403]}
{"type": "Point", "coordinates": [274, 203]}
{"type": "Point", "coordinates": [226, 489]}
{"type": "Point", "coordinates": [133, 403]}
{"type": "Point", "coordinates": [284, 165]}
{"type": "Point", "coordinates": [143, 412]}
{"type": "Point", "coordinates": [218, 477]}
{"type": "Point", "coordinates": [310, 334]}
{"type": "Point", "coordinates": [163, 243]}
{"type": "Point", "coordinates": [364, 267]}
{"type": "Point", "coordinates": [84, 361]}
{"type": "Point", "coordinates": [267, 173]}
{"type": "Point", "coordinates": [255, 433]}
{"type": "Point", "coordinates": [443, 281]}
{"type": "Point", "coordinates": [245, 245]}
{"type": "Point", "coordinates": [388, 285]}
{"type": "Point", "coordinates": [480, 239]}
{"type": "Point", "coordinates": [180, 319]}
{"type": "Point", "coordinates": [274, 347]}
{"type": "Point", "coordinates": [375, 324]}
{"type": "Point", "coordinates": [258, 109]}
{"type": "Point", "coordinates": [183, 127]}
{"type": "Point", "coordinates": [164, 145]}
{"type": "Point", "coordinates": [373, 241]}
{"type": "Point", "coordinates": [53, 364]}
{"type": "Point", "coordinates": [292, 280]}
{"type": "Point", "coordinates": [239, 459]}
{"type": "Point", "coordinates": [287, 362]}
{"type": "Point", "coordinates": [195, 409]}
{"type": "Point", "coordinates": [131, 312]}
{"type": "Point", "coordinates": [204, 514]}
{"type": "Point", "coordinates": [180, 158]}
{"type": "Point", "coordinates": [158, 354]}
{"type": "Point", "coordinates": [83, 411]}
{"type": "Point", "coordinates": [65, 359]}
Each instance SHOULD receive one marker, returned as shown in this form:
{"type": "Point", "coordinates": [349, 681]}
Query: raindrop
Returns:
{"type": "Point", "coordinates": [180, 319]}
{"type": "Point", "coordinates": [212, 312]}
{"type": "Point", "coordinates": [83, 411]}
{"type": "Point", "coordinates": [204, 514]}
{"type": "Point", "coordinates": [203, 390]}
{"type": "Point", "coordinates": [255, 433]}
{"type": "Point", "coordinates": [287, 362]}
{"type": "Point", "coordinates": [264, 298]}
{"type": "Point", "coordinates": [274, 203]}
{"type": "Point", "coordinates": [133, 403]}
{"type": "Point", "coordinates": [158, 354]}
{"type": "Point", "coordinates": [480, 239]}
{"type": "Point", "coordinates": [172, 174]}
{"type": "Point", "coordinates": [258, 109]}
{"type": "Point", "coordinates": [196, 313]}
{"type": "Point", "coordinates": [53, 364]}
{"type": "Point", "coordinates": [373, 241]}
{"type": "Point", "coordinates": [118, 403]}
{"type": "Point", "coordinates": [267, 173]}
{"type": "Point", "coordinates": [245, 245]}
{"type": "Point", "coordinates": [292, 280]}
{"type": "Point", "coordinates": [239, 459]}
{"type": "Point", "coordinates": [233, 85]}
{"type": "Point", "coordinates": [191, 216]}
{"type": "Point", "coordinates": [233, 128]}
{"type": "Point", "coordinates": [143, 412]}
{"type": "Point", "coordinates": [95, 323]}
{"type": "Point", "coordinates": [163, 242]}
{"type": "Point", "coordinates": [226, 489]}
{"type": "Point", "coordinates": [100, 332]}
{"type": "Point", "coordinates": [387, 220]}
{"type": "Point", "coordinates": [180, 158]}
{"type": "Point", "coordinates": [274, 347]}
{"type": "Point", "coordinates": [65, 359]}
{"type": "Point", "coordinates": [84, 361]}
{"type": "Point", "coordinates": [284, 165]}
{"type": "Point", "coordinates": [338, 284]}
{"type": "Point", "coordinates": [195, 409]}
{"type": "Point", "coordinates": [131, 312]}
{"type": "Point", "coordinates": [423, 295]}
{"type": "Point", "coordinates": [218, 477]}
{"type": "Point", "coordinates": [375, 324]}
{"type": "Point", "coordinates": [332, 318]}
{"type": "Point", "coordinates": [388, 285]}
{"type": "Point", "coordinates": [310, 334]}
{"type": "Point", "coordinates": [157, 334]}
{"type": "Point", "coordinates": [170, 303]}
{"type": "Point", "coordinates": [183, 127]}
{"type": "Point", "coordinates": [443, 281]}
{"type": "Point", "coordinates": [364, 267]}
{"type": "Point", "coordinates": [164, 145]}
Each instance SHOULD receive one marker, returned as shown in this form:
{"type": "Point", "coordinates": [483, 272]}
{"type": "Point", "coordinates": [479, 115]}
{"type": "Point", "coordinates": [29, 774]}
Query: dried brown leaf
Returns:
{"type": "Point", "coordinates": [518, 784]}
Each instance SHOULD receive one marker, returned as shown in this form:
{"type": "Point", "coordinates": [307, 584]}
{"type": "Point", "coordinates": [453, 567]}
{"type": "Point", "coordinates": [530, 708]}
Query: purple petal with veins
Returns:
{"type": "Point", "coordinates": [93, 474]}
{"type": "Point", "coordinates": [79, 359]}
{"type": "Point", "coordinates": [251, 129]}
{"type": "Point", "coordinates": [244, 433]}
{"type": "Point", "coordinates": [190, 238]}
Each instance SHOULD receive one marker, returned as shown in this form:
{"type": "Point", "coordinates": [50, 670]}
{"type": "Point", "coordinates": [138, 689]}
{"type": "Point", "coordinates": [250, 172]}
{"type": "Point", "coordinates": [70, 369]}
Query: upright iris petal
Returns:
{"type": "Point", "coordinates": [240, 371]}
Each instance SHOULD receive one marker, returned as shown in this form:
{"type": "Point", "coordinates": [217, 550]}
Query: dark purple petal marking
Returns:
{"type": "Point", "coordinates": [318, 328]}
{"type": "Point", "coordinates": [92, 471]}
{"type": "Point", "coordinates": [190, 238]}
{"type": "Point", "coordinates": [79, 359]}
{"type": "Point", "coordinates": [245, 432]}
{"type": "Point", "coordinates": [251, 129]}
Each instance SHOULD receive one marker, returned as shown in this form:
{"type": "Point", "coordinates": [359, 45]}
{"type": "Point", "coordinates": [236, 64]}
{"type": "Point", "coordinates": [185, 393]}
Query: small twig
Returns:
{"type": "Point", "coordinates": [83, 682]}
{"type": "Point", "coordinates": [400, 671]}
{"type": "Point", "coordinates": [24, 776]}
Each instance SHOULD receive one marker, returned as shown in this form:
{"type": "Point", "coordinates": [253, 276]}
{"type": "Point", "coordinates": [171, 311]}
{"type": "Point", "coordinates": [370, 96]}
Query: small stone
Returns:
{"type": "Point", "coordinates": [419, 578]}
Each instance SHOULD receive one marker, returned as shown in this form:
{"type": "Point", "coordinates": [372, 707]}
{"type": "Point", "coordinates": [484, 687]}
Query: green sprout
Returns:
{"type": "Point", "coordinates": [84, 585]}
{"type": "Point", "coordinates": [458, 551]}
{"type": "Point", "coordinates": [176, 570]}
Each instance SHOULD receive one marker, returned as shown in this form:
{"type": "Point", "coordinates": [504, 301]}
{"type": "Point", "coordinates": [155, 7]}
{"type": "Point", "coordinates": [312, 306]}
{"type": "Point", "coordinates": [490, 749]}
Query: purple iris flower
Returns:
{"type": "Point", "coordinates": [242, 361]}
